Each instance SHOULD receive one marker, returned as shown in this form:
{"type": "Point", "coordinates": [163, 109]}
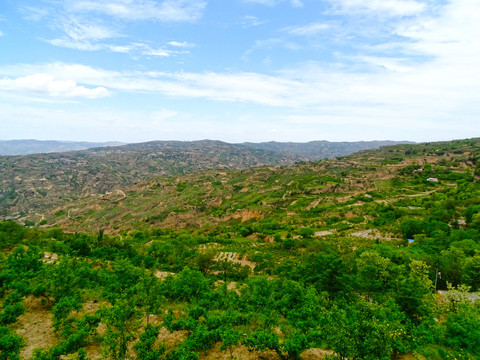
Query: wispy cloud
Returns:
{"type": "Point", "coordinates": [384, 7]}
{"type": "Point", "coordinates": [167, 10]}
{"type": "Point", "coordinates": [307, 30]}
{"type": "Point", "coordinates": [264, 44]}
{"type": "Point", "coordinates": [46, 85]}
{"type": "Point", "coordinates": [181, 44]}
{"type": "Point", "coordinates": [294, 3]}
{"type": "Point", "coordinates": [80, 34]}
{"type": "Point", "coordinates": [33, 13]}
{"type": "Point", "coordinates": [83, 35]}
{"type": "Point", "coordinates": [157, 52]}
{"type": "Point", "coordinates": [262, 2]}
{"type": "Point", "coordinates": [421, 74]}
{"type": "Point", "coordinates": [251, 21]}
{"type": "Point", "coordinates": [437, 86]}
{"type": "Point", "coordinates": [86, 30]}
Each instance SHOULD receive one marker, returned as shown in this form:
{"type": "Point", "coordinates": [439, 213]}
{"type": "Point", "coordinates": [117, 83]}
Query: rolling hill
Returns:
{"type": "Point", "coordinates": [34, 184]}
{"type": "Point", "coordinates": [298, 193]}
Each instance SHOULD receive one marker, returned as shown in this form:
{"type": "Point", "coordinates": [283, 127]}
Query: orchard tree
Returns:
{"type": "Point", "coordinates": [121, 323]}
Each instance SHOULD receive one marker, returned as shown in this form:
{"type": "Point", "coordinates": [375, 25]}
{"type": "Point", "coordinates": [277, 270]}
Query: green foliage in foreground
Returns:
{"type": "Point", "coordinates": [375, 303]}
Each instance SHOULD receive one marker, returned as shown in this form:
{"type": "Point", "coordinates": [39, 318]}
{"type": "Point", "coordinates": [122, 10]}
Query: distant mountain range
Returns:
{"type": "Point", "coordinates": [318, 150]}
{"type": "Point", "coordinates": [26, 147]}
{"type": "Point", "coordinates": [310, 151]}
{"type": "Point", "coordinates": [40, 182]}
{"type": "Point", "coordinates": [193, 184]}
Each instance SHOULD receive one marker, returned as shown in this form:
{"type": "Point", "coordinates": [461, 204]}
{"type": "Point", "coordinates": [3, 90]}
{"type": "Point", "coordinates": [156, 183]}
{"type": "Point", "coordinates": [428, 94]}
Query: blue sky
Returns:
{"type": "Point", "coordinates": [239, 70]}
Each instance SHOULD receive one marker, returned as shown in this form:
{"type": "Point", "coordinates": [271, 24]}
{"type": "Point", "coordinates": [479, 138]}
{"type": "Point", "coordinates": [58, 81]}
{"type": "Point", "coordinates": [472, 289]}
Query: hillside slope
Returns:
{"type": "Point", "coordinates": [37, 183]}
{"type": "Point", "coordinates": [34, 183]}
{"type": "Point", "coordinates": [306, 193]}
{"type": "Point", "coordinates": [318, 150]}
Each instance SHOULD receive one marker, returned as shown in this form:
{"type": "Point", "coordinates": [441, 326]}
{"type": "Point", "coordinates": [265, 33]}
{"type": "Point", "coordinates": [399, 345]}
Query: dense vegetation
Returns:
{"type": "Point", "coordinates": [311, 261]}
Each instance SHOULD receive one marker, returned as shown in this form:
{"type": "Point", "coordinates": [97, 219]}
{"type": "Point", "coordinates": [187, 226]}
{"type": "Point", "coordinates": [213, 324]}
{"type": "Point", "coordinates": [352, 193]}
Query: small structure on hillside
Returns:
{"type": "Point", "coordinates": [432, 179]}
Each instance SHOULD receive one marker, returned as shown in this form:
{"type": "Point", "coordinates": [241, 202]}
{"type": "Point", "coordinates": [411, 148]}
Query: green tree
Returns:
{"type": "Point", "coordinates": [148, 294]}
{"type": "Point", "coordinates": [414, 292]}
{"type": "Point", "coordinates": [187, 285]}
{"type": "Point", "coordinates": [121, 323]}
{"type": "Point", "coordinates": [10, 344]}
{"type": "Point", "coordinates": [365, 330]}
{"type": "Point", "coordinates": [263, 340]}
{"type": "Point", "coordinates": [145, 346]}
{"type": "Point", "coordinates": [230, 338]}
{"type": "Point", "coordinates": [374, 272]}
{"type": "Point", "coordinates": [295, 344]}
{"type": "Point", "coordinates": [471, 272]}
{"type": "Point", "coordinates": [462, 328]}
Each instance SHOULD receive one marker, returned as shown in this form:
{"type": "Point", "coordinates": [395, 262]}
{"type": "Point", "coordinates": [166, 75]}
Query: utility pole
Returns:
{"type": "Point", "coordinates": [438, 275]}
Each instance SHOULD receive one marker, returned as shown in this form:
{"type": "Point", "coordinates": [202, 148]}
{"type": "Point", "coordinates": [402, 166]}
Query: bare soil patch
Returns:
{"type": "Point", "coordinates": [324, 233]}
{"type": "Point", "coordinates": [234, 257]}
{"type": "Point", "coordinates": [246, 214]}
{"type": "Point", "coordinates": [315, 354]}
{"type": "Point", "coordinates": [35, 326]}
{"type": "Point", "coordinates": [239, 352]}
{"type": "Point", "coordinates": [162, 275]}
{"type": "Point", "coordinates": [171, 340]}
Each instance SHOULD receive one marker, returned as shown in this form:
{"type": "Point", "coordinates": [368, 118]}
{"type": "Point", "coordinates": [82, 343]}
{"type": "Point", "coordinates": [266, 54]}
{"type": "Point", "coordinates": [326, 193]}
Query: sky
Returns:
{"type": "Point", "coordinates": [239, 70]}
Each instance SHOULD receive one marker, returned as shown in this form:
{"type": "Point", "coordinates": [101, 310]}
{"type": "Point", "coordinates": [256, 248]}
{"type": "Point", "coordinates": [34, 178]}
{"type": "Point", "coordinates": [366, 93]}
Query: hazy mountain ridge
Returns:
{"type": "Point", "coordinates": [33, 182]}
{"type": "Point", "coordinates": [309, 151]}
{"type": "Point", "coordinates": [30, 146]}
{"type": "Point", "coordinates": [38, 183]}
{"type": "Point", "coordinates": [322, 149]}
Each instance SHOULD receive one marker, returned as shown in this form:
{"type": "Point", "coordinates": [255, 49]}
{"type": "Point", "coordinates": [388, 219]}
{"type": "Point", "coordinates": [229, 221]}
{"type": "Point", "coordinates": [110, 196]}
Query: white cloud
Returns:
{"type": "Point", "coordinates": [430, 81]}
{"type": "Point", "coordinates": [166, 10]}
{"type": "Point", "coordinates": [387, 63]}
{"type": "Point", "coordinates": [262, 2]}
{"type": "Point", "coordinates": [120, 48]}
{"type": "Point", "coordinates": [46, 85]}
{"type": "Point", "coordinates": [268, 44]}
{"type": "Point", "coordinates": [181, 44]}
{"type": "Point", "coordinates": [82, 30]}
{"type": "Point", "coordinates": [296, 3]}
{"type": "Point", "coordinates": [157, 52]}
{"type": "Point", "coordinates": [80, 34]}
{"type": "Point", "coordinates": [384, 7]}
{"type": "Point", "coordinates": [307, 30]}
{"type": "Point", "coordinates": [161, 52]}
{"type": "Point", "coordinates": [420, 74]}
{"type": "Point", "coordinates": [88, 36]}
{"type": "Point", "coordinates": [75, 44]}
{"type": "Point", "coordinates": [451, 33]}
{"type": "Point", "coordinates": [251, 21]}
{"type": "Point", "coordinates": [32, 13]}
{"type": "Point", "coordinates": [1, 33]}
{"type": "Point", "coordinates": [435, 89]}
